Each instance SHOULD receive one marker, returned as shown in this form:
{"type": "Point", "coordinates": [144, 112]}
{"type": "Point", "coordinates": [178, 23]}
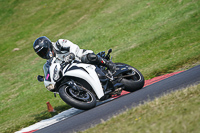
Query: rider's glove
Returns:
{"type": "Point", "coordinates": [69, 58]}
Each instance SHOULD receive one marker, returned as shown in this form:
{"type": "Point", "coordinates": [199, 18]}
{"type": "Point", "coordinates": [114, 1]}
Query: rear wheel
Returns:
{"type": "Point", "coordinates": [134, 82]}
{"type": "Point", "coordinates": [81, 98]}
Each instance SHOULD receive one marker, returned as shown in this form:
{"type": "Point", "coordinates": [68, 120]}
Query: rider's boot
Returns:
{"type": "Point", "coordinates": [109, 64]}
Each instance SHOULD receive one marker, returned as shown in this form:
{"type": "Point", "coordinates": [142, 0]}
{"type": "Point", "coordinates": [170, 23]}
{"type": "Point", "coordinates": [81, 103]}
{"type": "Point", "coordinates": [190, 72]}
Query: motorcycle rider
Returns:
{"type": "Point", "coordinates": [65, 50]}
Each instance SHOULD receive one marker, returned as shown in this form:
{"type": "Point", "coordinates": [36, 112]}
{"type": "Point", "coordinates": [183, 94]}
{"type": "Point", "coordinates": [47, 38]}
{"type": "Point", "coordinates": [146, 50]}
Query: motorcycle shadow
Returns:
{"type": "Point", "coordinates": [46, 115]}
{"type": "Point", "coordinates": [66, 111]}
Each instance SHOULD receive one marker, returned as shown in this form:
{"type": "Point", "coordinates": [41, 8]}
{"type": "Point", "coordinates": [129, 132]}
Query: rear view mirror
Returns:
{"type": "Point", "coordinates": [40, 78]}
{"type": "Point", "coordinates": [109, 51]}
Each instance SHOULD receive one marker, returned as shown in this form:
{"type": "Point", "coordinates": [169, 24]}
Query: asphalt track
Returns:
{"type": "Point", "coordinates": [105, 111]}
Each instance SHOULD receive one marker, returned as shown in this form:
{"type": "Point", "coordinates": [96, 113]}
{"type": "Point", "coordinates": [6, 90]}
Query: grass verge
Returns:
{"type": "Point", "coordinates": [154, 36]}
{"type": "Point", "coordinates": [177, 112]}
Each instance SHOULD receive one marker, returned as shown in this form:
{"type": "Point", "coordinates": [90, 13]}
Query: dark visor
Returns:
{"type": "Point", "coordinates": [44, 53]}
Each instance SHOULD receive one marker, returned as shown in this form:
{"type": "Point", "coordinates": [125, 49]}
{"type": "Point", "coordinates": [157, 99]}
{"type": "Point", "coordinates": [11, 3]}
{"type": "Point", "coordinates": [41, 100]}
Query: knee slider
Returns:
{"type": "Point", "coordinates": [91, 57]}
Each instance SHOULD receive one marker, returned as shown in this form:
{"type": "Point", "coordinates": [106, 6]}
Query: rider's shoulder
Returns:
{"type": "Point", "coordinates": [64, 41]}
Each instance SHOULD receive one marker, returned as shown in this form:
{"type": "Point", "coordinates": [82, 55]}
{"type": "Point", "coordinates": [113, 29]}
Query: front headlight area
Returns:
{"type": "Point", "coordinates": [56, 75]}
{"type": "Point", "coordinates": [50, 87]}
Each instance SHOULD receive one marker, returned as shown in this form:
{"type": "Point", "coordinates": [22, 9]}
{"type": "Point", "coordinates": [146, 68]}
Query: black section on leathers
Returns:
{"type": "Point", "coordinates": [91, 58]}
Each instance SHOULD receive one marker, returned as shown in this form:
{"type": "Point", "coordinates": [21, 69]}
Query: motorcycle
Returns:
{"type": "Point", "coordinates": [81, 85]}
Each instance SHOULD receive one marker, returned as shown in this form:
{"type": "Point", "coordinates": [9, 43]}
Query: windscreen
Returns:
{"type": "Point", "coordinates": [46, 69]}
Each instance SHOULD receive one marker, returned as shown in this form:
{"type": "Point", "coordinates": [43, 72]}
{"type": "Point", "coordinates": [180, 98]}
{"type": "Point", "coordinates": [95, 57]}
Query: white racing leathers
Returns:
{"type": "Point", "coordinates": [63, 47]}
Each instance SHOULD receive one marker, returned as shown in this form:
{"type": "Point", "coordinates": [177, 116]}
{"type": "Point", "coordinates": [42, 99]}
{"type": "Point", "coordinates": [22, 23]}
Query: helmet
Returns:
{"type": "Point", "coordinates": [43, 47]}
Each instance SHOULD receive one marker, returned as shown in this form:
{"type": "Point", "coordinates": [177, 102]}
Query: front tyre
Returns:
{"type": "Point", "coordinates": [134, 82]}
{"type": "Point", "coordinates": [82, 99]}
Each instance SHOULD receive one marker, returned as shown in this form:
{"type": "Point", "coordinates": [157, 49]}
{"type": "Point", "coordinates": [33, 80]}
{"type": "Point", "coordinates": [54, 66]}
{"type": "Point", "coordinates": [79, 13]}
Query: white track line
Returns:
{"type": "Point", "coordinates": [61, 116]}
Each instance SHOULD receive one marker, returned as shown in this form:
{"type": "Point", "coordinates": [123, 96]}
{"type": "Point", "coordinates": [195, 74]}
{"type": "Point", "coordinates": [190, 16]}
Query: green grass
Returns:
{"type": "Point", "coordinates": [177, 112]}
{"type": "Point", "coordinates": [155, 36]}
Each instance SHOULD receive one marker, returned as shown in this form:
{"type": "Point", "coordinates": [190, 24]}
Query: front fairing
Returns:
{"type": "Point", "coordinates": [46, 69]}
{"type": "Point", "coordinates": [86, 72]}
{"type": "Point", "coordinates": [49, 72]}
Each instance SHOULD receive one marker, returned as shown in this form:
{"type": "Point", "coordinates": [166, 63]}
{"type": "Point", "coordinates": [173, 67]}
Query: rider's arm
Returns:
{"type": "Point", "coordinates": [66, 45]}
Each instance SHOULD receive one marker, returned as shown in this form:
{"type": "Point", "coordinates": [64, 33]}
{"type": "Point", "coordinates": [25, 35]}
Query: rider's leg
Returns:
{"type": "Point", "coordinates": [91, 58]}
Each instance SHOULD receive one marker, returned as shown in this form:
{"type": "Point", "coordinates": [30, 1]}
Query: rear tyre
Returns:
{"type": "Point", "coordinates": [82, 99]}
{"type": "Point", "coordinates": [134, 82]}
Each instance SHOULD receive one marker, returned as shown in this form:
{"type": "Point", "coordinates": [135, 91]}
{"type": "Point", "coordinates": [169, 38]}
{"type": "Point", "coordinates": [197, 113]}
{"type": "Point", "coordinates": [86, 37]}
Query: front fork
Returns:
{"type": "Point", "coordinates": [73, 85]}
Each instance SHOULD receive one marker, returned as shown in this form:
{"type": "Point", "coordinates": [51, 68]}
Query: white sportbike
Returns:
{"type": "Point", "coordinates": [82, 85]}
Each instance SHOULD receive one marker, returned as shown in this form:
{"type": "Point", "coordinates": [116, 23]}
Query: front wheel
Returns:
{"type": "Point", "coordinates": [82, 98]}
{"type": "Point", "coordinates": [134, 82]}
